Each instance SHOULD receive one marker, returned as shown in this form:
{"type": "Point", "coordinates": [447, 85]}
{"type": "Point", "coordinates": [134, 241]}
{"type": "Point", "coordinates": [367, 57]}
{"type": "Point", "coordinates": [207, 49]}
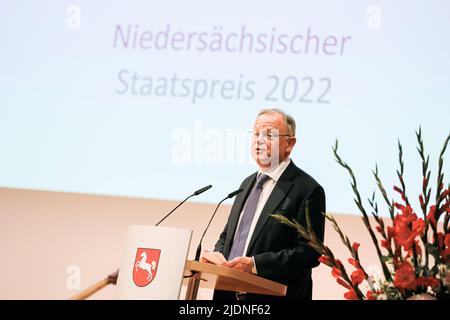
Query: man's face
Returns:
{"type": "Point", "coordinates": [271, 140]}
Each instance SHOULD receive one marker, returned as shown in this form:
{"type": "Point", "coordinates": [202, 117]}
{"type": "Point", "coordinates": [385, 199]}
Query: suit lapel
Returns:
{"type": "Point", "coordinates": [279, 193]}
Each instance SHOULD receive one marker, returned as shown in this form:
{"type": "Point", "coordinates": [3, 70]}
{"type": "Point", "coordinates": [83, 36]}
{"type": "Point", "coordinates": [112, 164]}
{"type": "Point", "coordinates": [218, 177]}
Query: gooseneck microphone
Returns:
{"type": "Point", "coordinates": [196, 193]}
{"type": "Point", "coordinates": [199, 191]}
{"type": "Point", "coordinates": [199, 248]}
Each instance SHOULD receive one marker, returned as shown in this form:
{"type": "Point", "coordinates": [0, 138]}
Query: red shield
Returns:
{"type": "Point", "coordinates": [145, 266]}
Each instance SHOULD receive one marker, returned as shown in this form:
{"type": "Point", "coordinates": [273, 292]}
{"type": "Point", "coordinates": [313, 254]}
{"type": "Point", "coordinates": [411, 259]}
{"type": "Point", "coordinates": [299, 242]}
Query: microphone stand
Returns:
{"type": "Point", "coordinates": [194, 281]}
{"type": "Point", "coordinates": [199, 248]}
{"type": "Point", "coordinates": [174, 209]}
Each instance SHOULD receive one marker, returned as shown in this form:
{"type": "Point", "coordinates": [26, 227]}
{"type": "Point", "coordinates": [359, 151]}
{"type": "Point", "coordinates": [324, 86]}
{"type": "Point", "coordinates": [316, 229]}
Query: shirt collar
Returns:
{"type": "Point", "coordinates": [275, 173]}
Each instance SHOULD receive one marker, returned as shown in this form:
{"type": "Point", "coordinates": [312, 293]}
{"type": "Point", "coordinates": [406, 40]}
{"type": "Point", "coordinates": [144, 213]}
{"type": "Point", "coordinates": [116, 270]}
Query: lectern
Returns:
{"type": "Point", "coordinates": [222, 278]}
{"type": "Point", "coordinates": [154, 266]}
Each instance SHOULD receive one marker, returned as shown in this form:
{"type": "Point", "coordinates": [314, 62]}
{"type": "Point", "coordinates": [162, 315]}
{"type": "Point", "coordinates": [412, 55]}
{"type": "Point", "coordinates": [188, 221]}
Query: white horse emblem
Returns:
{"type": "Point", "coordinates": [144, 265]}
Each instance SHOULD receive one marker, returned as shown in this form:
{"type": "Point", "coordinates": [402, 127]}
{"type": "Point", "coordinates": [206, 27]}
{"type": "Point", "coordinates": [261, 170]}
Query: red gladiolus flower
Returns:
{"type": "Point", "coordinates": [343, 283]}
{"type": "Point", "coordinates": [385, 244]}
{"type": "Point", "coordinates": [445, 193]}
{"type": "Point", "coordinates": [403, 235]}
{"type": "Point", "coordinates": [398, 206]}
{"type": "Point", "coordinates": [356, 246]}
{"type": "Point", "coordinates": [397, 252]}
{"type": "Point", "coordinates": [431, 217]}
{"type": "Point", "coordinates": [446, 255]}
{"type": "Point", "coordinates": [335, 272]}
{"type": "Point", "coordinates": [379, 229]}
{"type": "Point", "coordinates": [408, 214]}
{"type": "Point", "coordinates": [371, 296]}
{"type": "Point", "coordinates": [396, 260]}
{"type": "Point", "coordinates": [390, 232]}
{"type": "Point", "coordinates": [405, 277]}
{"type": "Point", "coordinates": [326, 260]}
{"type": "Point", "coordinates": [446, 207]}
{"type": "Point", "coordinates": [418, 227]}
{"type": "Point", "coordinates": [417, 248]}
{"type": "Point", "coordinates": [357, 276]}
{"type": "Point", "coordinates": [351, 295]}
{"type": "Point", "coordinates": [353, 262]}
{"type": "Point", "coordinates": [440, 238]}
{"type": "Point", "coordinates": [446, 252]}
{"type": "Point", "coordinates": [428, 282]}
{"type": "Point", "coordinates": [422, 203]}
{"type": "Point", "coordinates": [400, 191]}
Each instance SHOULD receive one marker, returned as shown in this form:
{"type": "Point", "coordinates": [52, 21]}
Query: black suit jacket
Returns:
{"type": "Point", "coordinates": [280, 253]}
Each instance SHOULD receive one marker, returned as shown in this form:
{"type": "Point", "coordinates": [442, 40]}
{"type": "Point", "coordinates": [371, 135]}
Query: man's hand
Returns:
{"type": "Point", "coordinates": [203, 260]}
{"type": "Point", "coordinates": [240, 263]}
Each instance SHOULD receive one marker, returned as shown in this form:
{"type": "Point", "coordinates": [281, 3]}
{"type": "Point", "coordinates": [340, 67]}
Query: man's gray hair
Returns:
{"type": "Point", "coordinates": [288, 120]}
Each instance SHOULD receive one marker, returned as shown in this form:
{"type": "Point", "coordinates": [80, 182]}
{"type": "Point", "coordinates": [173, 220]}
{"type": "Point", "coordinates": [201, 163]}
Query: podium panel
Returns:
{"type": "Point", "coordinates": [153, 263]}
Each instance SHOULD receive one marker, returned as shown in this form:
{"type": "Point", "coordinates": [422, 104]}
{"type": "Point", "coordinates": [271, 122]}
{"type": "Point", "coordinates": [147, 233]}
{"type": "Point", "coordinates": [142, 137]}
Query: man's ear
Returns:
{"type": "Point", "coordinates": [292, 142]}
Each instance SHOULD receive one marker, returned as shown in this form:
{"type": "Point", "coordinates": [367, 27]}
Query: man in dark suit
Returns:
{"type": "Point", "coordinates": [254, 242]}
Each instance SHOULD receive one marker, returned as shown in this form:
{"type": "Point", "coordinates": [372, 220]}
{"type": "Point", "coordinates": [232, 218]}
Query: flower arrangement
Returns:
{"type": "Point", "coordinates": [414, 252]}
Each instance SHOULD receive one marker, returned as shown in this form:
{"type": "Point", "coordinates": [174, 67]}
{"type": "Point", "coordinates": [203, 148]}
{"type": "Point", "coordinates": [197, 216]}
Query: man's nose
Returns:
{"type": "Point", "coordinates": [260, 142]}
{"type": "Point", "coordinates": [261, 139]}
